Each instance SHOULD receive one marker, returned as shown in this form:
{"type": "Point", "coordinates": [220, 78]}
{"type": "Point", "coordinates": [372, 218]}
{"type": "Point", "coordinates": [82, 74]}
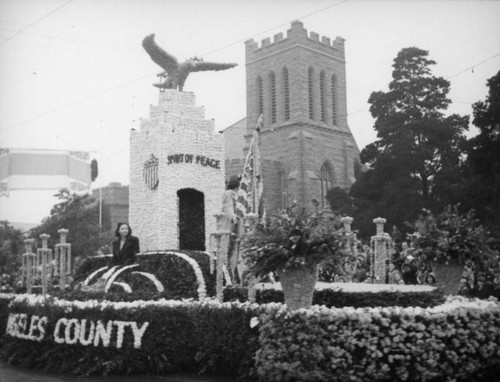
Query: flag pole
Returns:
{"type": "Point", "coordinates": [256, 165]}
{"type": "Point", "coordinates": [100, 207]}
{"type": "Point", "coordinates": [100, 183]}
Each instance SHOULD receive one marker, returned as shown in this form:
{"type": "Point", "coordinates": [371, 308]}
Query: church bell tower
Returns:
{"type": "Point", "coordinates": [298, 83]}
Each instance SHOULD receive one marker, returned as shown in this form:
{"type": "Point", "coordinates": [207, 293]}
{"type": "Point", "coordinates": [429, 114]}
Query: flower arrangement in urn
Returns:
{"type": "Point", "coordinates": [292, 245]}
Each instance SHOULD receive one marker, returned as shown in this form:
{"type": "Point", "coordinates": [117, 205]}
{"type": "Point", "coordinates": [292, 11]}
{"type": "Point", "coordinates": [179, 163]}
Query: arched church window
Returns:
{"type": "Point", "coordinates": [283, 189]}
{"type": "Point", "coordinates": [260, 96]}
{"type": "Point", "coordinates": [272, 81]}
{"type": "Point", "coordinates": [322, 92]}
{"type": "Point", "coordinates": [310, 82]}
{"type": "Point", "coordinates": [334, 99]}
{"type": "Point", "coordinates": [326, 183]}
{"type": "Point", "coordinates": [286, 94]}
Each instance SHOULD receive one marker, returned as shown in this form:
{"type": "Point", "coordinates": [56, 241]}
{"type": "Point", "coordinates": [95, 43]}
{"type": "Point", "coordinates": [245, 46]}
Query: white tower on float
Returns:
{"type": "Point", "coordinates": [176, 175]}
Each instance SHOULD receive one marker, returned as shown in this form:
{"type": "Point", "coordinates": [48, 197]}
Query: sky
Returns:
{"type": "Point", "coordinates": [74, 75]}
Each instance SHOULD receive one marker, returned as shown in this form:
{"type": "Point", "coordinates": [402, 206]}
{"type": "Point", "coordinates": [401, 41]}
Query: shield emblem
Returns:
{"type": "Point", "coordinates": [150, 172]}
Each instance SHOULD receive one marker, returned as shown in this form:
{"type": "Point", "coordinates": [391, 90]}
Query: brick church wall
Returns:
{"type": "Point", "coordinates": [299, 146]}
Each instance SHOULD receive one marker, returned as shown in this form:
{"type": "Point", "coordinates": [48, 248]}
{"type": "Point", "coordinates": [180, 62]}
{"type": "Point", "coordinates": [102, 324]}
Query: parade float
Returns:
{"type": "Point", "coordinates": [180, 310]}
{"type": "Point", "coordinates": [177, 310]}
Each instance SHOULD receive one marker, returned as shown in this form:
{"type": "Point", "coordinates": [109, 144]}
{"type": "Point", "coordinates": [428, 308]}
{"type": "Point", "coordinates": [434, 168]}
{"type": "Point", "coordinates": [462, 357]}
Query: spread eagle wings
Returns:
{"type": "Point", "coordinates": [198, 66]}
{"type": "Point", "coordinates": [175, 73]}
{"type": "Point", "coordinates": [158, 55]}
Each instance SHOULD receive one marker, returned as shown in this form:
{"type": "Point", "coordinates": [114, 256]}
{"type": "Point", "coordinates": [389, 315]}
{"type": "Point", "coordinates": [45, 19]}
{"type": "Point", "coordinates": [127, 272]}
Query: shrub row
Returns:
{"type": "Point", "coordinates": [457, 340]}
{"type": "Point", "coordinates": [205, 337]}
{"type": "Point", "coordinates": [340, 299]}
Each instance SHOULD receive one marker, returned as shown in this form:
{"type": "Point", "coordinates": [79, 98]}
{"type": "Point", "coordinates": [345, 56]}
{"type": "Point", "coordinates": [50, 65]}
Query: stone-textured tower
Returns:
{"type": "Point", "coordinates": [176, 175]}
{"type": "Point", "coordinates": [299, 84]}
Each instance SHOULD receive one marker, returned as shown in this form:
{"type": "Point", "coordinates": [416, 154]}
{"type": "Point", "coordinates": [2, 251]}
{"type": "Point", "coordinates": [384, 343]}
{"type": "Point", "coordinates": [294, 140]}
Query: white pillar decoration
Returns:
{"type": "Point", "coordinates": [347, 221]}
{"type": "Point", "coordinates": [379, 224]}
{"type": "Point", "coordinates": [381, 245]}
{"type": "Point", "coordinates": [220, 242]}
{"type": "Point", "coordinates": [44, 262]}
{"type": "Point", "coordinates": [251, 224]}
{"type": "Point", "coordinates": [63, 258]}
{"type": "Point", "coordinates": [28, 265]}
{"type": "Point", "coordinates": [351, 242]}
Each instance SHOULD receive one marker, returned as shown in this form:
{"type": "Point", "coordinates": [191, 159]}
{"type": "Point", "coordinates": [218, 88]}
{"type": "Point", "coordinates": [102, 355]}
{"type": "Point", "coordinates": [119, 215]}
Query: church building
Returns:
{"type": "Point", "coordinates": [298, 84]}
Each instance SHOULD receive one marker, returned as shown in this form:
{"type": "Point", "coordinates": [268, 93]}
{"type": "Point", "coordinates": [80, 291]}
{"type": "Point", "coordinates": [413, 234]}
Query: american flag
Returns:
{"type": "Point", "coordinates": [251, 185]}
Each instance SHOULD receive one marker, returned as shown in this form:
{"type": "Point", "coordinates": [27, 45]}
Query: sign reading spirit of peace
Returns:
{"type": "Point", "coordinates": [190, 158]}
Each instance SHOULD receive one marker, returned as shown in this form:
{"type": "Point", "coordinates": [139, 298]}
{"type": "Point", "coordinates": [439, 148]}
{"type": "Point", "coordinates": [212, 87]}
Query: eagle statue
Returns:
{"type": "Point", "coordinates": [175, 74]}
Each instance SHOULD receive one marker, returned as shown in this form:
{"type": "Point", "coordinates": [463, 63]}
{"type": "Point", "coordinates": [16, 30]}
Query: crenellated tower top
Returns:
{"type": "Point", "coordinates": [296, 35]}
{"type": "Point", "coordinates": [297, 81]}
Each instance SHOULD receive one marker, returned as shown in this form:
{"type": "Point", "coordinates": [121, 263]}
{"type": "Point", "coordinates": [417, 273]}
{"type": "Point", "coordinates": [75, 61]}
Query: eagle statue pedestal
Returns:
{"type": "Point", "coordinates": [176, 175]}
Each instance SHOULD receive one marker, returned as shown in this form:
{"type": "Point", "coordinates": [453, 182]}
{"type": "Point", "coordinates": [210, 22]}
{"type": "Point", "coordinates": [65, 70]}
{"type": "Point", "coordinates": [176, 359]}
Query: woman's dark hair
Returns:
{"type": "Point", "coordinates": [117, 231]}
{"type": "Point", "coordinates": [234, 182]}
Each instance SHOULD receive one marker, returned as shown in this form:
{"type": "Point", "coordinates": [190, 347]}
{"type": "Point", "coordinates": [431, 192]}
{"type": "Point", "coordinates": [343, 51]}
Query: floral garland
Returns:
{"type": "Point", "coordinates": [452, 304]}
{"type": "Point", "coordinates": [227, 277]}
{"type": "Point", "coordinates": [125, 286]}
{"type": "Point", "coordinates": [113, 277]}
{"type": "Point", "coordinates": [35, 300]}
{"type": "Point", "coordinates": [93, 274]}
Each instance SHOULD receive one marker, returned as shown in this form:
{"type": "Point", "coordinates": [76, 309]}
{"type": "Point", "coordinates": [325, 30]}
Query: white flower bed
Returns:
{"type": "Point", "coordinates": [357, 287]}
{"type": "Point", "coordinates": [38, 300]}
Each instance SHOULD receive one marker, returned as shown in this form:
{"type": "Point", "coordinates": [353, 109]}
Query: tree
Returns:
{"type": "Point", "coordinates": [417, 146]}
{"type": "Point", "coordinates": [340, 202]}
{"type": "Point", "coordinates": [78, 214]}
{"type": "Point", "coordinates": [483, 159]}
{"type": "Point", "coordinates": [10, 256]}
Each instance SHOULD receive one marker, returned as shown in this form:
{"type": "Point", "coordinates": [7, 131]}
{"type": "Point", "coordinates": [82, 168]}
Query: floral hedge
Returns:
{"type": "Point", "coordinates": [340, 299]}
{"type": "Point", "coordinates": [176, 275]}
{"type": "Point", "coordinates": [458, 340]}
{"type": "Point", "coordinates": [176, 335]}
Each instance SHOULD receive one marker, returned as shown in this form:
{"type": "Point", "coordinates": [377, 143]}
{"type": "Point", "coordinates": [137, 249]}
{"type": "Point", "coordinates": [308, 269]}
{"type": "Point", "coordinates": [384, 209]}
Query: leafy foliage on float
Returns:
{"type": "Point", "coordinates": [456, 238]}
{"type": "Point", "coordinates": [339, 299]}
{"type": "Point", "coordinates": [291, 240]}
{"type": "Point", "coordinates": [459, 338]}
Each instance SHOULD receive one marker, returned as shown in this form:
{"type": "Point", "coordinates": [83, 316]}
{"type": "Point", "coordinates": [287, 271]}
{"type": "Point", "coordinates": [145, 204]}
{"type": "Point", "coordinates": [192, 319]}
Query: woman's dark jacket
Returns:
{"type": "Point", "coordinates": [127, 254]}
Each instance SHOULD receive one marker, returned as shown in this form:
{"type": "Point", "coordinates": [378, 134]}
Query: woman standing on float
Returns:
{"type": "Point", "coordinates": [231, 222]}
{"type": "Point", "coordinates": [125, 247]}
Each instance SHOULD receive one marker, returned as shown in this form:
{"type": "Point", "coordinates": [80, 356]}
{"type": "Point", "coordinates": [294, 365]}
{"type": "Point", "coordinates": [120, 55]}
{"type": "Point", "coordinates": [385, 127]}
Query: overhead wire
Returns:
{"type": "Point", "coordinates": [205, 54]}
{"type": "Point", "coordinates": [86, 98]}
{"type": "Point", "coordinates": [149, 74]}
{"type": "Point", "coordinates": [273, 28]}
{"type": "Point", "coordinates": [474, 66]}
{"type": "Point", "coordinates": [36, 21]}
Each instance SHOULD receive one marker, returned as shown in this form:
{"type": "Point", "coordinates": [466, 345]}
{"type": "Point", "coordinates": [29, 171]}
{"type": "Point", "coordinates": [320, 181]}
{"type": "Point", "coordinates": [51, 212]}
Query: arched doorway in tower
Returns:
{"type": "Point", "coordinates": [191, 219]}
